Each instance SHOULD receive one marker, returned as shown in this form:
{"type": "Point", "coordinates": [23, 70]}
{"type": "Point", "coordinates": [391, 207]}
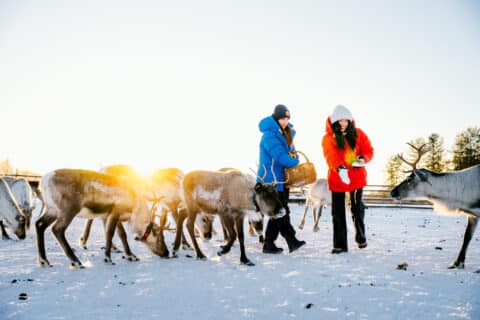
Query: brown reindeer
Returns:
{"type": "Point", "coordinates": [128, 173]}
{"type": "Point", "coordinates": [69, 193]}
{"type": "Point", "coordinates": [204, 222]}
{"type": "Point", "coordinates": [231, 194]}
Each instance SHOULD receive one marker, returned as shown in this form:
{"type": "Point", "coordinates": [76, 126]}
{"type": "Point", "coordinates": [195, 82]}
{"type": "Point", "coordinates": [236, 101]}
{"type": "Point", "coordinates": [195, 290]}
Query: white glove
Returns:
{"type": "Point", "coordinates": [343, 173]}
{"type": "Point", "coordinates": [360, 162]}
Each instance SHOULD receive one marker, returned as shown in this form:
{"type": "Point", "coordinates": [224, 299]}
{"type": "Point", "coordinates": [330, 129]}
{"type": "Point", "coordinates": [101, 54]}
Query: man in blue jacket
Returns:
{"type": "Point", "coordinates": [276, 146]}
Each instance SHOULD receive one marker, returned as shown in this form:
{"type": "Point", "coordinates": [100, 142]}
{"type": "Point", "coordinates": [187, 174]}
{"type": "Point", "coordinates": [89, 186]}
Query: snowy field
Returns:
{"type": "Point", "coordinates": [308, 284]}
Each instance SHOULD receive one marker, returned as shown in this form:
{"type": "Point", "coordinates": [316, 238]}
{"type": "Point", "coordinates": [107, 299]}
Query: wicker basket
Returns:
{"type": "Point", "coordinates": [302, 174]}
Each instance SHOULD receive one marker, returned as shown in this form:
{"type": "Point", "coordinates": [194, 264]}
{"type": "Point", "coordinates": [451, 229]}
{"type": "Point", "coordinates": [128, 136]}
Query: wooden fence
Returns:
{"type": "Point", "coordinates": [373, 196]}
{"type": "Point", "coordinates": [33, 180]}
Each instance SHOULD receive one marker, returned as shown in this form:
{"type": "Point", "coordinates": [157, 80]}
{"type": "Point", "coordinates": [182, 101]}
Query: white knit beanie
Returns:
{"type": "Point", "coordinates": [340, 112]}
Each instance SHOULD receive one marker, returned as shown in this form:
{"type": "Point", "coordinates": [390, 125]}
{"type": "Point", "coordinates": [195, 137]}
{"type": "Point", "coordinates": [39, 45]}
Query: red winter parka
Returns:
{"type": "Point", "coordinates": [337, 157]}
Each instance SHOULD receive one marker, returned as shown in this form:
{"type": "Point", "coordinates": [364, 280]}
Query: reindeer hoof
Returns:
{"type": "Point", "coordinates": [221, 252]}
{"type": "Point", "coordinates": [457, 265]}
{"type": "Point", "coordinates": [82, 244]}
{"type": "Point", "coordinates": [248, 263]}
{"type": "Point", "coordinates": [316, 229]}
{"type": "Point", "coordinates": [300, 227]}
{"type": "Point", "coordinates": [43, 263]}
{"type": "Point", "coordinates": [76, 265]}
{"type": "Point", "coordinates": [201, 257]}
{"type": "Point", "coordinates": [131, 257]}
{"type": "Point", "coordinates": [108, 261]}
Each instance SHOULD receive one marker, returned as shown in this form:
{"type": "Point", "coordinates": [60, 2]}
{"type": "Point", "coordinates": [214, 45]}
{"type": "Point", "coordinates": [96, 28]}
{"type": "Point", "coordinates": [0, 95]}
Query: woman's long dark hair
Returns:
{"type": "Point", "coordinates": [287, 132]}
{"type": "Point", "coordinates": [350, 135]}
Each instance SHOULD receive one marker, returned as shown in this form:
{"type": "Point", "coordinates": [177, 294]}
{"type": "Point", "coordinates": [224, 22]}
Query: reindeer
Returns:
{"type": "Point", "coordinates": [204, 222]}
{"type": "Point", "coordinates": [88, 194]}
{"type": "Point", "coordinates": [23, 194]}
{"type": "Point", "coordinates": [231, 194]}
{"type": "Point", "coordinates": [449, 192]}
{"type": "Point", "coordinates": [167, 183]}
{"type": "Point", "coordinates": [11, 213]}
{"type": "Point", "coordinates": [127, 173]}
{"type": "Point", "coordinates": [318, 197]}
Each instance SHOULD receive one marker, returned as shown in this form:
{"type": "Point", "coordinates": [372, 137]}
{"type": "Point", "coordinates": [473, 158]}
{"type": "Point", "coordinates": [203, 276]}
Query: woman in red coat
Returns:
{"type": "Point", "coordinates": [346, 150]}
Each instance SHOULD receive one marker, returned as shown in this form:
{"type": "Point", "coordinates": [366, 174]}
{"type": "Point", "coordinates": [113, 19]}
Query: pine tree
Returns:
{"type": "Point", "coordinates": [434, 159]}
{"type": "Point", "coordinates": [6, 167]}
{"type": "Point", "coordinates": [466, 149]}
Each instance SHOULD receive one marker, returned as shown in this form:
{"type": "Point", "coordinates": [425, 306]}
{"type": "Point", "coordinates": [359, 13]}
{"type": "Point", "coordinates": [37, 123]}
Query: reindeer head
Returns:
{"type": "Point", "coordinates": [414, 185]}
{"type": "Point", "coordinates": [13, 215]}
{"type": "Point", "coordinates": [266, 196]}
{"type": "Point", "coordinates": [153, 235]}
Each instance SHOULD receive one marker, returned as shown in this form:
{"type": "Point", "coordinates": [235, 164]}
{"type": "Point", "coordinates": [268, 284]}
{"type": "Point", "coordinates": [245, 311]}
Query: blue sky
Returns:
{"type": "Point", "coordinates": [162, 83]}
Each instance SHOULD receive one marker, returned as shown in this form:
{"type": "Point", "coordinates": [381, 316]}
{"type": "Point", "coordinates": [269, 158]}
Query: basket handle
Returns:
{"type": "Point", "coordinates": [303, 154]}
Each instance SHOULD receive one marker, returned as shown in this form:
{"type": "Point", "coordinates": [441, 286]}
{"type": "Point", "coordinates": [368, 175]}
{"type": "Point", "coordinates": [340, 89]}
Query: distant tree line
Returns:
{"type": "Point", "coordinates": [464, 153]}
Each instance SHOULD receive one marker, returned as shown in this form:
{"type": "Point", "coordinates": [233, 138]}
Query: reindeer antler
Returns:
{"type": "Point", "coordinates": [420, 152]}
{"type": "Point", "coordinates": [262, 178]}
{"type": "Point", "coordinates": [275, 182]}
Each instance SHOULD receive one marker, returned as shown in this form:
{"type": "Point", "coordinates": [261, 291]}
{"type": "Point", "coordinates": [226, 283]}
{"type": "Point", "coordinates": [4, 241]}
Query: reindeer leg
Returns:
{"type": "Point", "coordinates": [182, 214]}
{"type": "Point", "coordinates": [258, 227]}
{"type": "Point", "coordinates": [114, 247]}
{"type": "Point", "coordinates": [251, 231]}
{"type": "Point", "coordinates": [302, 222]}
{"type": "Point", "coordinates": [58, 229]}
{"type": "Point", "coordinates": [176, 216]}
{"type": "Point", "coordinates": [123, 237]}
{"type": "Point", "coordinates": [317, 213]}
{"type": "Point", "coordinates": [226, 237]}
{"type": "Point", "coordinates": [241, 239]}
{"type": "Point", "coordinates": [228, 224]}
{"type": "Point", "coordinates": [41, 225]}
{"type": "Point", "coordinates": [460, 260]}
{"type": "Point", "coordinates": [163, 218]}
{"type": "Point", "coordinates": [4, 232]}
{"type": "Point", "coordinates": [110, 226]}
{"type": "Point", "coordinates": [86, 233]}
{"type": "Point", "coordinates": [191, 231]}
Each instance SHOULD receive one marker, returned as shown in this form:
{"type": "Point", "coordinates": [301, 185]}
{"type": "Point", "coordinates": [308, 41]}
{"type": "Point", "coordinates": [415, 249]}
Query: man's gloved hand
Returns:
{"type": "Point", "coordinates": [360, 162]}
{"type": "Point", "coordinates": [293, 154]}
{"type": "Point", "coordinates": [343, 173]}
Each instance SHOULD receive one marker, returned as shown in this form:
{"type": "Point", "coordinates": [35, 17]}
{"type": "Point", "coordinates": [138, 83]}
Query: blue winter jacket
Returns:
{"type": "Point", "coordinates": [274, 146]}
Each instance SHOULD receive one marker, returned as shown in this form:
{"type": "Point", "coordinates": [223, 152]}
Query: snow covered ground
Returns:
{"type": "Point", "coordinates": [308, 284]}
